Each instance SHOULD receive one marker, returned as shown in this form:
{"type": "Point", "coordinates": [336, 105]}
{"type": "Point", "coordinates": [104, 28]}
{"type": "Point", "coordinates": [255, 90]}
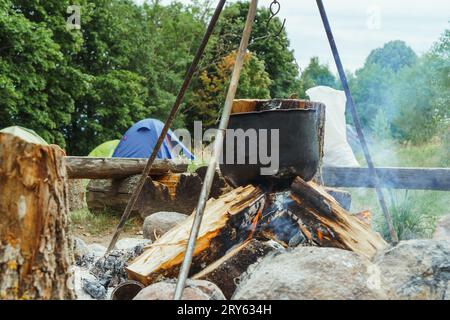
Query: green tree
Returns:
{"type": "Point", "coordinates": [38, 86]}
{"type": "Point", "coordinates": [421, 94]}
{"type": "Point", "coordinates": [273, 51]}
{"type": "Point", "coordinates": [372, 86]}
{"type": "Point", "coordinates": [114, 101]}
{"type": "Point", "coordinates": [394, 55]}
{"type": "Point", "coordinates": [174, 33]}
{"type": "Point", "coordinates": [146, 42]}
{"type": "Point", "coordinates": [209, 98]}
{"type": "Point", "coordinates": [316, 74]}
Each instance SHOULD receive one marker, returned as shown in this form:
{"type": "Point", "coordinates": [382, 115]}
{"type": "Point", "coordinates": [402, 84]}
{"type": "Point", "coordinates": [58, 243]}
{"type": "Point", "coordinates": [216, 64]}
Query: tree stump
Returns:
{"type": "Point", "coordinates": [35, 254]}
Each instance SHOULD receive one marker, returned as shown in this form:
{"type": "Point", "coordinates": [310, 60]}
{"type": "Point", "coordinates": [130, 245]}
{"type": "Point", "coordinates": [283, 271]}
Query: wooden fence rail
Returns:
{"type": "Point", "coordinates": [397, 178]}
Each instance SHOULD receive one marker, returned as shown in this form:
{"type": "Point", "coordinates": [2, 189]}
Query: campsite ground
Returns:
{"type": "Point", "coordinates": [416, 209]}
{"type": "Point", "coordinates": [99, 228]}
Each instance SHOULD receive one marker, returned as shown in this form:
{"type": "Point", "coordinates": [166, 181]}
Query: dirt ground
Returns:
{"type": "Point", "coordinates": [100, 228]}
{"type": "Point", "coordinates": [104, 238]}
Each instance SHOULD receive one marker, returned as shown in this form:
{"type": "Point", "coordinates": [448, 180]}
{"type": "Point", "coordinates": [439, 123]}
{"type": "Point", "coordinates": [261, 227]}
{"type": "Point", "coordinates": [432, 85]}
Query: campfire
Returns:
{"type": "Point", "coordinates": [237, 226]}
{"type": "Point", "coordinates": [252, 220]}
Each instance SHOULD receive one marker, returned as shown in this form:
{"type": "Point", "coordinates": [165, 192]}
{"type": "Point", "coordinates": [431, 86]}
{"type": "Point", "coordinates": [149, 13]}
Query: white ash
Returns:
{"type": "Point", "coordinates": [101, 272]}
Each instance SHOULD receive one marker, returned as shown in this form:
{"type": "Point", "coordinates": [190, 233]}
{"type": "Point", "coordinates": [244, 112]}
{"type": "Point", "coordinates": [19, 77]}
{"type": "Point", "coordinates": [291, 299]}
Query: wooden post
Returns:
{"type": "Point", "coordinates": [35, 254]}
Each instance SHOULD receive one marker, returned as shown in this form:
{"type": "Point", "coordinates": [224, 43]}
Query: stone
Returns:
{"type": "Point", "coordinates": [311, 273]}
{"type": "Point", "coordinates": [416, 270]}
{"type": "Point", "coordinates": [159, 223]}
{"type": "Point", "coordinates": [195, 290]}
{"type": "Point", "coordinates": [80, 249]}
{"type": "Point", "coordinates": [97, 250]}
{"type": "Point", "coordinates": [80, 275]}
{"type": "Point", "coordinates": [442, 231]}
{"type": "Point", "coordinates": [131, 243]}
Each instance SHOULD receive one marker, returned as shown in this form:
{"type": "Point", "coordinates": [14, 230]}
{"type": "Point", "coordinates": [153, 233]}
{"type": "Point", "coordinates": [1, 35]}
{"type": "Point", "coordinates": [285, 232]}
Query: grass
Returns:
{"type": "Point", "coordinates": [414, 212]}
{"type": "Point", "coordinates": [99, 224]}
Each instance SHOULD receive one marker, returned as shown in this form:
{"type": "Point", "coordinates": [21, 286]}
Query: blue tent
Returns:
{"type": "Point", "coordinates": [141, 138]}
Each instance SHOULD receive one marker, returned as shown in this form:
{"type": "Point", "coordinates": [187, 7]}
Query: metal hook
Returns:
{"type": "Point", "coordinates": [275, 8]}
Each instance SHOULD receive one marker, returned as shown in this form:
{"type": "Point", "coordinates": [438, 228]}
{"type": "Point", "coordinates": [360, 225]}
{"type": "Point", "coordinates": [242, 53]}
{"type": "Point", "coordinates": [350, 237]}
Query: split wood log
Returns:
{"type": "Point", "coordinates": [327, 224]}
{"type": "Point", "coordinates": [106, 168]}
{"type": "Point", "coordinates": [227, 221]}
{"type": "Point", "coordinates": [226, 271]}
{"type": "Point", "coordinates": [169, 192]}
{"type": "Point", "coordinates": [35, 254]}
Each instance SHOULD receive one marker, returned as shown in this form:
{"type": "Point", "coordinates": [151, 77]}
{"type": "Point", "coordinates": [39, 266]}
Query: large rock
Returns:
{"type": "Point", "coordinates": [416, 269]}
{"type": "Point", "coordinates": [311, 273]}
{"type": "Point", "coordinates": [442, 231]}
{"type": "Point", "coordinates": [159, 223]}
{"type": "Point", "coordinates": [195, 290]}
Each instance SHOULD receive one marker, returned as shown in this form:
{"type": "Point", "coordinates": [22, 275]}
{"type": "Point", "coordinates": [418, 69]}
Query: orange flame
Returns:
{"type": "Point", "coordinates": [254, 224]}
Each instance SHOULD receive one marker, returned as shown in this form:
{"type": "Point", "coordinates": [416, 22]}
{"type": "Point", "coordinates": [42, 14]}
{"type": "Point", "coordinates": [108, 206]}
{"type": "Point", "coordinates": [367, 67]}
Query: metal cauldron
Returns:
{"type": "Point", "coordinates": [300, 124]}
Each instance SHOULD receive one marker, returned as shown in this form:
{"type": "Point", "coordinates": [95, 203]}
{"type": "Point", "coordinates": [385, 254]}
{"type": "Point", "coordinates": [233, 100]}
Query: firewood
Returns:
{"type": "Point", "coordinates": [326, 223]}
{"type": "Point", "coordinates": [35, 254]}
{"type": "Point", "coordinates": [227, 221]}
{"type": "Point", "coordinates": [226, 271]}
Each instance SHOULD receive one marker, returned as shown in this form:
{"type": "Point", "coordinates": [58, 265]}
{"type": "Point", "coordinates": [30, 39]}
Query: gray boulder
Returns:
{"type": "Point", "coordinates": [159, 223]}
{"type": "Point", "coordinates": [416, 270]}
{"type": "Point", "coordinates": [195, 290]}
{"type": "Point", "coordinates": [309, 273]}
{"type": "Point", "coordinates": [442, 231]}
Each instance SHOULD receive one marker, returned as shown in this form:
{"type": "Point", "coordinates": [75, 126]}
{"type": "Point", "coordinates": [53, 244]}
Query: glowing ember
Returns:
{"type": "Point", "coordinates": [254, 224]}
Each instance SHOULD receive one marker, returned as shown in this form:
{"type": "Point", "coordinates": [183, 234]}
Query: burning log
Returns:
{"type": "Point", "coordinates": [34, 248]}
{"type": "Point", "coordinates": [306, 215]}
{"type": "Point", "coordinates": [327, 224]}
{"type": "Point", "coordinates": [228, 221]}
{"type": "Point", "coordinates": [226, 271]}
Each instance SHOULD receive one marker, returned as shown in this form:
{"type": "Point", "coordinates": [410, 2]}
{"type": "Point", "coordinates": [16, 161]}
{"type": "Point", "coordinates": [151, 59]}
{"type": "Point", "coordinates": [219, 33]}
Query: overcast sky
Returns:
{"type": "Point", "coordinates": [360, 26]}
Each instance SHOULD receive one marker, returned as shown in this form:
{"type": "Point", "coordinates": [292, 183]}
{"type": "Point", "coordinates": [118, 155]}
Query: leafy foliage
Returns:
{"type": "Point", "coordinates": [38, 86]}
{"type": "Point", "coordinates": [316, 74]}
{"type": "Point", "coordinates": [274, 52]}
{"type": "Point", "coordinates": [422, 95]}
{"type": "Point", "coordinates": [210, 96]}
{"type": "Point", "coordinates": [400, 95]}
{"type": "Point", "coordinates": [79, 88]}
{"type": "Point", "coordinates": [394, 55]}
